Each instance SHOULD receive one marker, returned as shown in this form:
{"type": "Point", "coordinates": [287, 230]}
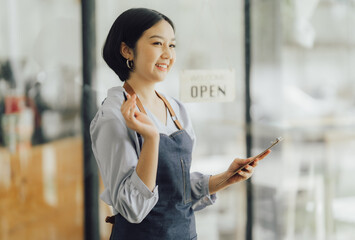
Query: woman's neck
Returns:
{"type": "Point", "coordinates": [145, 91]}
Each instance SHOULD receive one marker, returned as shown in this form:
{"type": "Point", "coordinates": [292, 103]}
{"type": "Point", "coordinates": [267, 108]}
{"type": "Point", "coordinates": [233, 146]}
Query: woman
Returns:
{"type": "Point", "coordinates": [142, 140]}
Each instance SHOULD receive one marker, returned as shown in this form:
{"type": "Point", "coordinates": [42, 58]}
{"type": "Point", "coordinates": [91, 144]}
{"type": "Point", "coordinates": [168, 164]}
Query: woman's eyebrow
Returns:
{"type": "Point", "coordinates": [157, 36]}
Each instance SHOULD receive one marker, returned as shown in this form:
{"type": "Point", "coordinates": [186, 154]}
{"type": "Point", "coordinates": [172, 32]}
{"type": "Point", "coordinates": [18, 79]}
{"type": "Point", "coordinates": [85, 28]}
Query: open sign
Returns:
{"type": "Point", "coordinates": [207, 85]}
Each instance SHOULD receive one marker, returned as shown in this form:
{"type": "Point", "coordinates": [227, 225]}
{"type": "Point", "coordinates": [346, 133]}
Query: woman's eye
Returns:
{"type": "Point", "coordinates": [157, 43]}
{"type": "Point", "coordinates": [172, 45]}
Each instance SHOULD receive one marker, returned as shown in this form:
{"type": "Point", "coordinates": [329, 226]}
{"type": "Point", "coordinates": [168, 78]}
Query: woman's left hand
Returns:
{"type": "Point", "coordinates": [246, 172]}
{"type": "Point", "coordinates": [216, 180]}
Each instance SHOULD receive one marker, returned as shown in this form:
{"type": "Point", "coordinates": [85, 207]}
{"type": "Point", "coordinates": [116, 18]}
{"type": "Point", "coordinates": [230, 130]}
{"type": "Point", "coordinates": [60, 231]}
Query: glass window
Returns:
{"type": "Point", "coordinates": [40, 127]}
{"type": "Point", "coordinates": [303, 90]}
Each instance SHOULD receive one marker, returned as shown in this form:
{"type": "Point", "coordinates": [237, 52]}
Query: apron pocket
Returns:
{"type": "Point", "coordinates": [186, 181]}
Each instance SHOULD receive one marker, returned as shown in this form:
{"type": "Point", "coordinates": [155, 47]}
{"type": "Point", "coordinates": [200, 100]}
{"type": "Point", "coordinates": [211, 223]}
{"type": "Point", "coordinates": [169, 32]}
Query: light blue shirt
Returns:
{"type": "Point", "coordinates": [116, 149]}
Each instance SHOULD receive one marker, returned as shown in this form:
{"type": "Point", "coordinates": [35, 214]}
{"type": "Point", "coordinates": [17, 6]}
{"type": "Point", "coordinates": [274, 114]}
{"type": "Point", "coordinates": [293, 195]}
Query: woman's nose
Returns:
{"type": "Point", "coordinates": [167, 53]}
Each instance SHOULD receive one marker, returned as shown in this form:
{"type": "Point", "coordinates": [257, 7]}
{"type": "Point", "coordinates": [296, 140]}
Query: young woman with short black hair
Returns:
{"type": "Point", "coordinates": [142, 140]}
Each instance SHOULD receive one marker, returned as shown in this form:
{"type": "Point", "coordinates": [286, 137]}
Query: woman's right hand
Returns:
{"type": "Point", "coordinates": [137, 120]}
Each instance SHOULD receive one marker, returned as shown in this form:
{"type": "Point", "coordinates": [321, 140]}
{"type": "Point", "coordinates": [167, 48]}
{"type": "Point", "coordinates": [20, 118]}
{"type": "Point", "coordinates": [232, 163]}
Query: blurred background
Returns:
{"type": "Point", "coordinates": [302, 83]}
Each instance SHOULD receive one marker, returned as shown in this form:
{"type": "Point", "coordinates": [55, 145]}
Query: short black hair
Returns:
{"type": "Point", "coordinates": [128, 28]}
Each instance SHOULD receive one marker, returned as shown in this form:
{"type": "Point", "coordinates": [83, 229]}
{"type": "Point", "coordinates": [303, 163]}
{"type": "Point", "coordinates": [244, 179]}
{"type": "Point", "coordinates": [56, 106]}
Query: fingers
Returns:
{"type": "Point", "coordinates": [249, 165]}
{"type": "Point", "coordinates": [247, 169]}
{"type": "Point", "coordinates": [246, 172]}
{"type": "Point", "coordinates": [128, 108]}
{"type": "Point", "coordinates": [254, 163]}
{"type": "Point", "coordinates": [263, 155]}
{"type": "Point", "coordinates": [241, 161]}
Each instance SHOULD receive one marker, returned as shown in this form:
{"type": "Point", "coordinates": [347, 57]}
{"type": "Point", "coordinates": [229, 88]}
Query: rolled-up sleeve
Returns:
{"type": "Point", "coordinates": [201, 197]}
{"type": "Point", "coordinates": [116, 155]}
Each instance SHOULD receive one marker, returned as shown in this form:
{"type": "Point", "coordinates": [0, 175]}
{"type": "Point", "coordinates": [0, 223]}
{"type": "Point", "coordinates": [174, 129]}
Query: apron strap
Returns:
{"type": "Point", "coordinates": [171, 111]}
{"type": "Point", "coordinates": [130, 91]}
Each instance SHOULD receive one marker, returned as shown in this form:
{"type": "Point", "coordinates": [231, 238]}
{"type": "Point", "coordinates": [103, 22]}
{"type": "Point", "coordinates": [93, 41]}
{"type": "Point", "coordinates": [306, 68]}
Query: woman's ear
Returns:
{"type": "Point", "coordinates": [126, 51]}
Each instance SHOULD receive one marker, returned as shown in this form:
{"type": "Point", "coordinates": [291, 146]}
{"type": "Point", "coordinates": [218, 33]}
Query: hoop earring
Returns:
{"type": "Point", "coordinates": [129, 64]}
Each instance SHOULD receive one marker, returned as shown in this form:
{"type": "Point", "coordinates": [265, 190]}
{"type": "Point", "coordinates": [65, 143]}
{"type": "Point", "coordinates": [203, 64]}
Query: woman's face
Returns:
{"type": "Point", "coordinates": [155, 53]}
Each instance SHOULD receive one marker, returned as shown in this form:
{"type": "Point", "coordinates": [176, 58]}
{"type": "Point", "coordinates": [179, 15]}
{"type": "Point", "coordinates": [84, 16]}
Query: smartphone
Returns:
{"type": "Point", "coordinates": [277, 140]}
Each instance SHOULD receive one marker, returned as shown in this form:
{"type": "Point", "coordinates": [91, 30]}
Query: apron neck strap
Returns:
{"type": "Point", "coordinates": [130, 91]}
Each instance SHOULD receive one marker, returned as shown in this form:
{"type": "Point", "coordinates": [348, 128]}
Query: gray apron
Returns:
{"type": "Point", "coordinates": [172, 217]}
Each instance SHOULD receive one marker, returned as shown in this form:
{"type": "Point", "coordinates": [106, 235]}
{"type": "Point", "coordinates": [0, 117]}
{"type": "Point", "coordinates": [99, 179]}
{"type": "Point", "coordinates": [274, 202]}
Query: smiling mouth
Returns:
{"type": "Point", "coordinates": [162, 67]}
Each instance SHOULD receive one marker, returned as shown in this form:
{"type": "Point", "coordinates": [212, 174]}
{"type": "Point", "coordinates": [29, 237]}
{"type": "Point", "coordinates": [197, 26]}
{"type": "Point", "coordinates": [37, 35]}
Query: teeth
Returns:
{"type": "Point", "coordinates": [163, 66]}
